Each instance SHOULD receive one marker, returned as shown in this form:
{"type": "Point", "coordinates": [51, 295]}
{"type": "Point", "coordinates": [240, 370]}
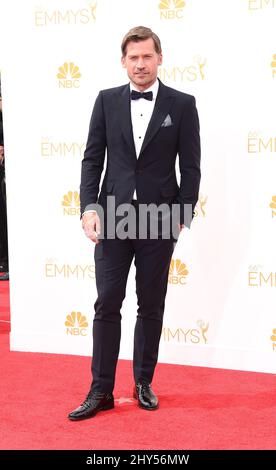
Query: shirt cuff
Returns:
{"type": "Point", "coordinates": [90, 210]}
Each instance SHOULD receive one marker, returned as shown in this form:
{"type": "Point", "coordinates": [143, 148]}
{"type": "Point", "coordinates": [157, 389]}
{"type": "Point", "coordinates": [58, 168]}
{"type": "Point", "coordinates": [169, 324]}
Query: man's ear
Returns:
{"type": "Point", "coordinates": [160, 58]}
{"type": "Point", "coordinates": [123, 62]}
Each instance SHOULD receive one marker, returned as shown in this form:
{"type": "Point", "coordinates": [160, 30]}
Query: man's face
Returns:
{"type": "Point", "coordinates": [141, 62]}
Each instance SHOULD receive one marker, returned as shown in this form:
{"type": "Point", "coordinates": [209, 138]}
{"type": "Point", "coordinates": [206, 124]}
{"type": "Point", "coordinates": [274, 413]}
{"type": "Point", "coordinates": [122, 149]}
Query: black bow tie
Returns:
{"type": "Point", "coordinates": [136, 95]}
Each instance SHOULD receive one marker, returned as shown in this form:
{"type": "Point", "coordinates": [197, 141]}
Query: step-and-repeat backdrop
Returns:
{"type": "Point", "coordinates": [55, 57]}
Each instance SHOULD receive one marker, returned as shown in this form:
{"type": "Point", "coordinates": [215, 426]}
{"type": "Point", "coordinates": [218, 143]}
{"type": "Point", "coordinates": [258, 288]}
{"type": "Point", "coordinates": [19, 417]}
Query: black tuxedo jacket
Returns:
{"type": "Point", "coordinates": [173, 129]}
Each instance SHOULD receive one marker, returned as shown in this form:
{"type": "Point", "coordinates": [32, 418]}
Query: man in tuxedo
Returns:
{"type": "Point", "coordinates": [143, 126]}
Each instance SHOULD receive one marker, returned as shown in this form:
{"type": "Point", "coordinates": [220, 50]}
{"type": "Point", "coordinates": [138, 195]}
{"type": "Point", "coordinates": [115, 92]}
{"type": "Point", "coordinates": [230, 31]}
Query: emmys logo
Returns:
{"type": "Point", "coordinates": [177, 272]}
{"type": "Point", "coordinates": [196, 335]}
{"type": "Point", "coordinates": [191, 73]}
{"type": "Point", "coordinates": [66, 17]}
{"type": "Point", "coordinates": [200, 206]}
{"type": "Point", "coordinates": [258, 278]}
{"type": "Point", "coordinates": [257, 144]}
{"type": "Point", "coordinates": [71, 203]}
{"type": "Point", "coordinates": [272, 205]}
{"type": "Point", "coordinates": [273, 339]}
{"type": "Point", "coordinates": [261, 4]}
{"type": "Point", "coordinates": [76, 324]}
{"type": "Point", "coordinates": [273, 66]}
{"type": "Point", "coordinates": [171, 9]}
{"type": "Point", "coordinates": [61, 149]}
{"type": "Point", "coordinates": [68, 75]}
{"type": "Point", "coordinates": [53, 270]}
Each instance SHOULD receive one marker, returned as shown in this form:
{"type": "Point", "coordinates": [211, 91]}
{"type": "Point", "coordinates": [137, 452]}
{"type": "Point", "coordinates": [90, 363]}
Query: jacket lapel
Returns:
{"type": "Point", "coordinates": [124, 117]}
{"type": "Point", "coordinates": [161, 110]}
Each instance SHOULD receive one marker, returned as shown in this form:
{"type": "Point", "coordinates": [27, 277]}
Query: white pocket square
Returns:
{"type": "Point", "coordinates": [167, 121]}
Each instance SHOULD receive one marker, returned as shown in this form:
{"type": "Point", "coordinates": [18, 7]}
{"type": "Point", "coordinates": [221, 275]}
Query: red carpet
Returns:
{"type": "Point", "coordinates": [200, 408]}
{"type": "Point", "coordinates": [4, 307]}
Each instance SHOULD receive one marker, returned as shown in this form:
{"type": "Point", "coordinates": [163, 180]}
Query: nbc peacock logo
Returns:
{"type": "Point", "coordinates": [273, 66]}
{"type": "Point", "coordinates": [178, 272]}
{"type": "Point", "coordinates": [272, 205]}
{"type": "Point", "coordinates": [71, 203]}
{"type": "Point", "coordinates": [171, 9]}
{"type": "Point", "coordinates": [76, 324]}
{"type": "Point", "coordinates": [69, 75]}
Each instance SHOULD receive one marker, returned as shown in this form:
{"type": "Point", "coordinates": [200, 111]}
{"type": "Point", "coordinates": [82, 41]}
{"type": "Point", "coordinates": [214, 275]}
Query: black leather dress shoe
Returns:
{"type": "Point", "coordinates": [93, 403]}
{"type": "Point", "coordinates": [145, 396]}
{"type": "Point", "coordinates": [4, 277]}
{"type": "Point", "coordinates": [4, 268]}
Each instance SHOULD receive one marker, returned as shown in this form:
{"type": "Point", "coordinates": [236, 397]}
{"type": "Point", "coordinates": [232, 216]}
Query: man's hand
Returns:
{"type": "Point", "coordinates": [91, 226]}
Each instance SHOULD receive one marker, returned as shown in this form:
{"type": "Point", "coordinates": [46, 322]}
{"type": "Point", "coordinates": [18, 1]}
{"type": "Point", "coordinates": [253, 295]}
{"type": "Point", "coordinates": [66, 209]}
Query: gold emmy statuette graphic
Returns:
{"type": "Point", "coordinates": [272, 205]}
{"type": "Point", "coordinates": [204, 328]}
{"type": "Point", "coordinates": [200, 206]}
{"type": "Point", "coordinates": [201, 64]}
{"type": "Point", "coordinates": [273, 66]}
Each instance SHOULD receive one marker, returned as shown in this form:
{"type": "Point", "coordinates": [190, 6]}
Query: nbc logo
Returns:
{"type": "Point", "coordinates": [273, 66]}
{"type": "Point", "coordinates": [177, 272]}
{"type": "Point", "coordinates": [273, 339]}
{"type": "Point", "coordinates": [171, 9]}
{"type": "Point", "coordinates": [69, 75]}
{"type": "Point", "coordinates": [71, 203]}
{"type": "Point", "coordinates": [272, 205]}
{"type": "Point", "coordinates": [200, 206]}
{"type": "Point", "coordinates": [76, 324]}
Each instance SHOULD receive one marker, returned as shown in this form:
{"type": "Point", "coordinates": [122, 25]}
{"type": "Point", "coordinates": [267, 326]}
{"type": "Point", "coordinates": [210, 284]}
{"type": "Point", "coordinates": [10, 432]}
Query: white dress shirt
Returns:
{"type": "Point", "coordinates": [141, 112]}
